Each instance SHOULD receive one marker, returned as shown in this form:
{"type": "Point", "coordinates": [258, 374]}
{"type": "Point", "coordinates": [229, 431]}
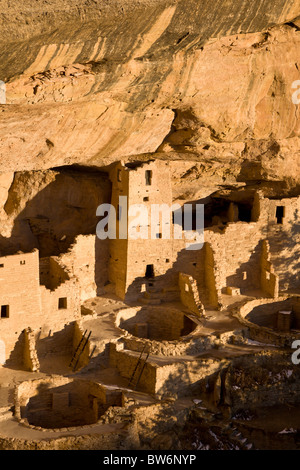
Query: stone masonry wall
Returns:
{"type": "Point", "coordinates": [269, 280]}
{"type": "Point", "coordinates": [20, 292]}
{"type": "Point", "coordinates": [189, 294]}
{"type": "Point", "coordinates": [126, 362]}
{"type": "Point", "coordinates": [232, 254]}
{"type": "Point", "coordinates": [284, 239]}
{"type": "Point", "coordinates": [26, 304]}
{"type": "Point", "coordinates": [81, 261]}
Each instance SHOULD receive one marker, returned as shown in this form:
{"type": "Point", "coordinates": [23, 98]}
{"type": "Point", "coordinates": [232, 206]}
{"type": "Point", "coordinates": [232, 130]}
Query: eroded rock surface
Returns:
{"type": "Point", "coordinates": [92, 83]}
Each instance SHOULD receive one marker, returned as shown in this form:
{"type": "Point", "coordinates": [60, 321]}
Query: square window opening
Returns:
{"type": "Point", "coordinates": [62, 303]}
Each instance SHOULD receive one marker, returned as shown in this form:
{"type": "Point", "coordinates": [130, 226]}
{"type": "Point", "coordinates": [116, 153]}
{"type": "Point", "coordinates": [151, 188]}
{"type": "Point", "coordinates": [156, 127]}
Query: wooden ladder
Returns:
{"type": "Point", "coordinates": [79, 350]}
{"type": "Point", "coordinates": [135, 371]}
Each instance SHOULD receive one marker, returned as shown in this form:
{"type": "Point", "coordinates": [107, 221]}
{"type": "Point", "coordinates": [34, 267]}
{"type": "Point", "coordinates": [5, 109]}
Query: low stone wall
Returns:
{"type": "Point", "coordinates": [186, 346]}
{"type": "Point", "coordinates": [157, 379]}
{"type": "Point", "coordinates": [125, 361]}
{"type": "Point", "coordinates": [41, 403]}
{"type": "Point", "coordinates": [189, 344]}
{"type": "Point", "coordinates": [184, 378]}
{"type": "Point", "coordinates": [262, 333]}
{"type": "Point", "coordinates": [86, 441]}
{"type": "Point", "coordinates": [156, 323]}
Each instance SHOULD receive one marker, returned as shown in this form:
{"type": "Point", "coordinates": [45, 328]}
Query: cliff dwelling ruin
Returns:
{"type": "Point", "coordinates": [134, 337]}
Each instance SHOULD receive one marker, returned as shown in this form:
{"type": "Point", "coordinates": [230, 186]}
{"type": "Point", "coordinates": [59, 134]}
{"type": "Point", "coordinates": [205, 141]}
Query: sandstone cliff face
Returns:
{"type": "Point", "coordinates": [93, 82]}
{"type": "Point", "coordinates": [48, 208]}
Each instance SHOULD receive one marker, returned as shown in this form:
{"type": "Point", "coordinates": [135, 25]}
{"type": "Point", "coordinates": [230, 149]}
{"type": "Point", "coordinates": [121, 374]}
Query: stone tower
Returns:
{"type": "Point", "coordinates": [144, 253]}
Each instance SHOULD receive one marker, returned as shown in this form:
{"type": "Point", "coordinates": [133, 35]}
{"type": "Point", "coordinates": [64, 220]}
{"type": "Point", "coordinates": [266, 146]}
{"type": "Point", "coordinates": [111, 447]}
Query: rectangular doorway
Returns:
{"type": "Point", "coordinates": [149, 271]}
{"type": "Point", "coordinates": [280, 213]}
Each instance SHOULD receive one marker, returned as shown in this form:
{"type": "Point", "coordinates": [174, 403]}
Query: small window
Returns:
{"type": "Point", "coordinates": [186, 288]}
{"type": "Point", "coordinates": [268, 275]}
{"type": "Point", "coordinates": [244, 274]}
{"type": "Point", "coordinates": [62, 303]}
{"type": "Point", "coordinates": [119, 176]}
{"type": "Point", "coordinates": [167, 260]}
{"type": "Point", "coordinates": [146, 199]}
{"type": "Point", "coordinates": [22, 262]}
{"type": "Point", "coordinates": [148, 176]}
{"type": "Point", "coordinates": [1, 265]}
{"type": "Point", "coordinates": [280, 212]}
{"type": "Point", "coordinates": [159, 235]}
{"type": "Point", "coordinates": [4, 311]}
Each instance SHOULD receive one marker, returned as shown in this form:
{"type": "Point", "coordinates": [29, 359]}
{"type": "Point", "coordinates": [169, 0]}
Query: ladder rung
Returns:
{"type": "Point", "coordinates": [145, 360]}
{"type": "Point", "coordinates": [83, 348]}
{"type": "Point", "coordinates": [137, 364]}
{"type": "Point", "coordinates": [77, 348]}
{"type": "Point", "coordinates": [131, 382]}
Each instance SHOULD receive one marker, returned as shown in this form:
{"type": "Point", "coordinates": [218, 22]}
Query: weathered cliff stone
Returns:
{"type": "Point", "coordinates": [91, 83]}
